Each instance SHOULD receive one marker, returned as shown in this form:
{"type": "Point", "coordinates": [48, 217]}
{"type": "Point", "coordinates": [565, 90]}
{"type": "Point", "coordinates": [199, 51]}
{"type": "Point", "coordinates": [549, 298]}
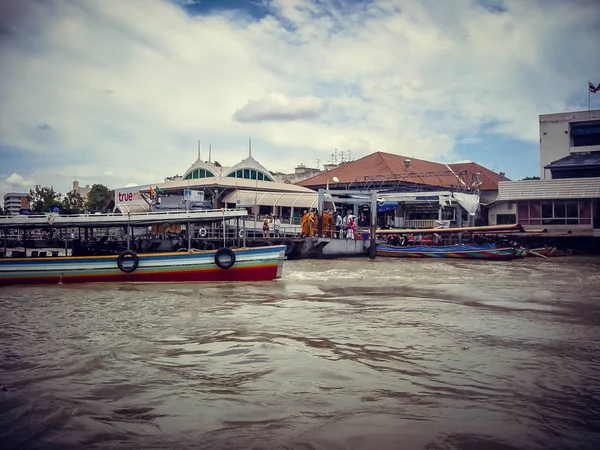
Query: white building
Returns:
{"type": "Point", "coordinates": [567, 198]}
{"type": "Point", "coordinates": [566, 134]}
{"type": "Point", "coordinates": [14, 202]}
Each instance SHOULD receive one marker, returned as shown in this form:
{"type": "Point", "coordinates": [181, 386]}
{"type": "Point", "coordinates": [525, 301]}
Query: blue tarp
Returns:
{"type": "Point", "coordinates": [386, 206]}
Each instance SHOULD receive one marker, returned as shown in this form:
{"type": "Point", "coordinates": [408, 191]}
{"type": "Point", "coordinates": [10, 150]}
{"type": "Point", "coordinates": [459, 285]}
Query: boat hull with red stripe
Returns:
{"type": "Point", "coordinates": [250, 264]}
{"type": "Point", "coordinates": [455, 251]}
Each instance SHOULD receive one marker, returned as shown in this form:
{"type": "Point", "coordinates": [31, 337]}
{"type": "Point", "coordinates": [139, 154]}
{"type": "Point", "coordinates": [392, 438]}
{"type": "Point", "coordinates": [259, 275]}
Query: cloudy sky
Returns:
{"type": "Point", "coordinates": [119, 92]}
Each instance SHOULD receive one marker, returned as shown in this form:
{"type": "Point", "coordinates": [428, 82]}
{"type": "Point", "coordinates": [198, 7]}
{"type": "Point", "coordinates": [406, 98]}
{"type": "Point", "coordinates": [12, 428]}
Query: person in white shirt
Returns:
{"type": "Point", "coordinates": [276, 226]}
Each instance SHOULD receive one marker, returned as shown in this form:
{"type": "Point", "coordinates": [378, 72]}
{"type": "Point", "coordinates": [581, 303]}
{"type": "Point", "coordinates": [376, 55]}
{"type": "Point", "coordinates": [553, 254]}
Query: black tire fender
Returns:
{"type": "Point", "coordinates": [225, 258]}
{"type": "Point", "coordinates": [291, 246]}
{"type": "Point", "coordinates": [134, 257]}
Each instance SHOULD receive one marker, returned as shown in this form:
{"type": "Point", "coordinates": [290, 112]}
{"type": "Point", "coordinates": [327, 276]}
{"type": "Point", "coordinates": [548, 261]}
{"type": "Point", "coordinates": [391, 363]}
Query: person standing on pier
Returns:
{"type": "Point", "coordinates": [351, 227]}
{"type": "Point", "coordinates": [276, 226]}
{"type": "Point", "coordinates": [325, 224]}
{"type": "Point", "coordinates": [338, 225]}
{"type": "Point", "coordinates": [265, 228]}
{"type": "Point", "coordinates": [305, 224]}
{"type": "Point", "coordinates": [312, 223]}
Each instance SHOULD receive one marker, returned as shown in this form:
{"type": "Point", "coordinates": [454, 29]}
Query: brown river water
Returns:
{"type": "Point", "coordinates": [341, 354]}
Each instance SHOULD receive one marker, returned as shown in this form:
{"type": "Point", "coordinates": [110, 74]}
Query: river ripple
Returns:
{"type": "Point", "coordinates": [344, 354]}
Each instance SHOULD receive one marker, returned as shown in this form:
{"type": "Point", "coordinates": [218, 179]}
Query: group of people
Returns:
{"type": "Point", "coordinates": [332, 224]}
{"type": "Point", "coordinates": [266, 230]}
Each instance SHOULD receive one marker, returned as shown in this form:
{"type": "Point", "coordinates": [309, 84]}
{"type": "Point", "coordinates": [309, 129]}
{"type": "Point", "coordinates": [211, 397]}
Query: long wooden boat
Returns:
{"type": "Point", "coordinates": [550, 252]}
{"type": "Point", "coordinates": [483, 229]}
{"type": "Point", "coordinates": [488, 252]}
{"type": "Point", "coordinates": [242, 264]}
{"type": "Point", "coordinates": [125, 265]}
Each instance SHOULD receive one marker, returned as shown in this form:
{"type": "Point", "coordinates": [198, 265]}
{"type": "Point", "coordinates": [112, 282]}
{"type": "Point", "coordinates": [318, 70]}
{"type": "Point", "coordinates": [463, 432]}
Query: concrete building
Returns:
{"type": "Point", "coordinates": [565, 203]}
{"type": "Point", "coordinates": [247, 184]}
{"type": "Point", "coordinates": [82, 191]}
{"type": "Point", "coordinates": [301, 173]}
{"type": "Point", "coordinates": [564, 136]}
{"type": "Point", "coordinates": [14, 202]}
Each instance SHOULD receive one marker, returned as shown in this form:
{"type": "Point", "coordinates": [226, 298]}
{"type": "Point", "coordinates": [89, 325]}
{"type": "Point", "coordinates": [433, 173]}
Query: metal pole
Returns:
{"type": "Point", "coordinates": [66, 242]}
{"type": "Point", "coordinates": [244, 228]}
{"type": "Point", "coordinates": [224, 238]}
{"type": "Point", "coordinates": [372, 247]}
{"type": "Point", "coordinates": [189, 235]}
{"type": "Point", "coordinates": [237, 232]}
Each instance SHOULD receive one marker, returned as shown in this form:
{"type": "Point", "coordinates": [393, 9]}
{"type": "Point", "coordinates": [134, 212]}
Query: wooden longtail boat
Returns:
{"type": "Point", "coordinates": [242, 264]}
{"type": "Point", "coordinates": [189, 265]}
{"type": "Point", "coordinates": [550, 252]}
{"type": "Point", "coordinates": [488, 252]}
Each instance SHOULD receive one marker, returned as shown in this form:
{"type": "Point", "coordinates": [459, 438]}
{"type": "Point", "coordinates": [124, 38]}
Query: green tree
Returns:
{"type": "Point", "coordinates": [42, 197]}
{"type": "Point", "coordinates": [98, 197]}
{"type": "Point", "coordinates": [73, 201]}
{"type": "Point", "coordinates": [530, 178]}
{"type": "Point", "coordinates": [217, 163]}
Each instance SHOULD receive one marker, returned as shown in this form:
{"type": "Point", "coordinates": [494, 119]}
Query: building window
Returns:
{"type": "Point", "coordinates": [506, 219]}
{"type": "Point", "coordinates": [261, 176]}
{"type": "Point", "coordinates": [239, 174]}
{"type": "Point", "coordinates": [268, 179]}
{"type": "Point", "coordinates": [253, 174]}
{"type": "Point", "coordinates": [247, 174]}
{"type": "Point", "coordinates": [448, 214]}
{"type": "Point", "coordinates": [586, 134]}
{"type": "Point", "coordinates": [556, 212]}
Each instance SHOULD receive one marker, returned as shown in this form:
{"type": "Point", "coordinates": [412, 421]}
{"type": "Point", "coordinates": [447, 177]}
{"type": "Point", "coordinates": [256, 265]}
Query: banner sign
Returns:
{"type": "Point", "coordinates": [129, 196]}
{"type": "Point", "coordinates": [193, 196]}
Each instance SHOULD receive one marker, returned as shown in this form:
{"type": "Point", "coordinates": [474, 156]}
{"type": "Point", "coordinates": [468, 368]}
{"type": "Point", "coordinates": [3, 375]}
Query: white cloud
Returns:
{"type": "Point", "coordinates": [279, 107]}
{"type": "Point", "coordinates": [119, 92]}
{"type": "Point", "coordinates": [15, 183]}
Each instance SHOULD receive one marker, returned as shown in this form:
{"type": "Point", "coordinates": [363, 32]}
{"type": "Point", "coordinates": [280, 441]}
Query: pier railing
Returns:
{"type": "Point", "coordinates": [419, 224]}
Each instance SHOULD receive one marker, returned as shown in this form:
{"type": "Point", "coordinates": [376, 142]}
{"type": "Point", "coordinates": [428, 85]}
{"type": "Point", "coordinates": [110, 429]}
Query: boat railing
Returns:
{"type": "Point", "coordinates": [194, 212]}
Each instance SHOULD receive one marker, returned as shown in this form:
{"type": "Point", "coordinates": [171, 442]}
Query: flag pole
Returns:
{"type": "Point", "coordinates": [589, 103]}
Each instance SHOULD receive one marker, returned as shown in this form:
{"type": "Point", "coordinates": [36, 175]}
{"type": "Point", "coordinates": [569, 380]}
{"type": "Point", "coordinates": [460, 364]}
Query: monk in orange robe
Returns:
{"type": "Point", "coordinates": [312, 223]}
{"type": "Point", "coordinates": [305, 224]}
{"type": "Point", "coordinates": [325, 232]}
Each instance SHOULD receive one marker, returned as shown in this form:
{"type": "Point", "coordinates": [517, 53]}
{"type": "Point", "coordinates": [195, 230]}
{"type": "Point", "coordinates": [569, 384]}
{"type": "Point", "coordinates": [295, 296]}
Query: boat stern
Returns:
{"type": "Point", "coordinates": [282, 258]}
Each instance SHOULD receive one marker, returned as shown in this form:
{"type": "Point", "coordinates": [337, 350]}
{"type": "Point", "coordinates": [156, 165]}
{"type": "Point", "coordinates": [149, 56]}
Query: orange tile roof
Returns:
{"type": "Point", "coordinates": [380, 165]}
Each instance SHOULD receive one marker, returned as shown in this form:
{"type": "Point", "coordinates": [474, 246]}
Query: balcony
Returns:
{"type": "Point", "coordinates": [420, 224]}
{"type": "Point", "coordinates": [585, 149]}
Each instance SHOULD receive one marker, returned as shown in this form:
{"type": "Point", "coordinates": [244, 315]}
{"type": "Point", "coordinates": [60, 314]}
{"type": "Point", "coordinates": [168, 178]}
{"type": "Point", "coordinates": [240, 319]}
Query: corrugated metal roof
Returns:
{"type": "Point", "coordinates": [576, 160]}
{"type": "Point", "coordinates": [550, 189]}
{"type": "Point", "coordinates": [297, 200]}
{"type": "Point", "coordinates": [228, 182]}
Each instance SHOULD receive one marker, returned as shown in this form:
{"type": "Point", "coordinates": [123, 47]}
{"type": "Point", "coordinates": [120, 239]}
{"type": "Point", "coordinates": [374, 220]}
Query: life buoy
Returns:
{"type": "Point", "coordinates": [51, 219]}
{"type": "Point", "coordinates": [291, 245]}
{"type": "Point", "coordinates": [133, 256]}
{"type": "Point", "coordinates": [202, 232]}
{"type": "Point", "coordinates": [224, 258]}
{"type": "Point", "coordinates": [241, 233]}
{"type": "Point", "coordinates": [209, 246]}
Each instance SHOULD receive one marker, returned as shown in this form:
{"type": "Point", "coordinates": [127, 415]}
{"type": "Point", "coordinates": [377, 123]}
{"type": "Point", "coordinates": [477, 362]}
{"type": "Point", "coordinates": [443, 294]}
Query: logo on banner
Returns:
{"type": "Point", "coordinates": [194, 196]}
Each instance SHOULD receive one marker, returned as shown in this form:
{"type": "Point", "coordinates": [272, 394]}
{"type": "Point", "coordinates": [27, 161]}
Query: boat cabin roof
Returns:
{"type": "Point", "coordinates": [118, 219]}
